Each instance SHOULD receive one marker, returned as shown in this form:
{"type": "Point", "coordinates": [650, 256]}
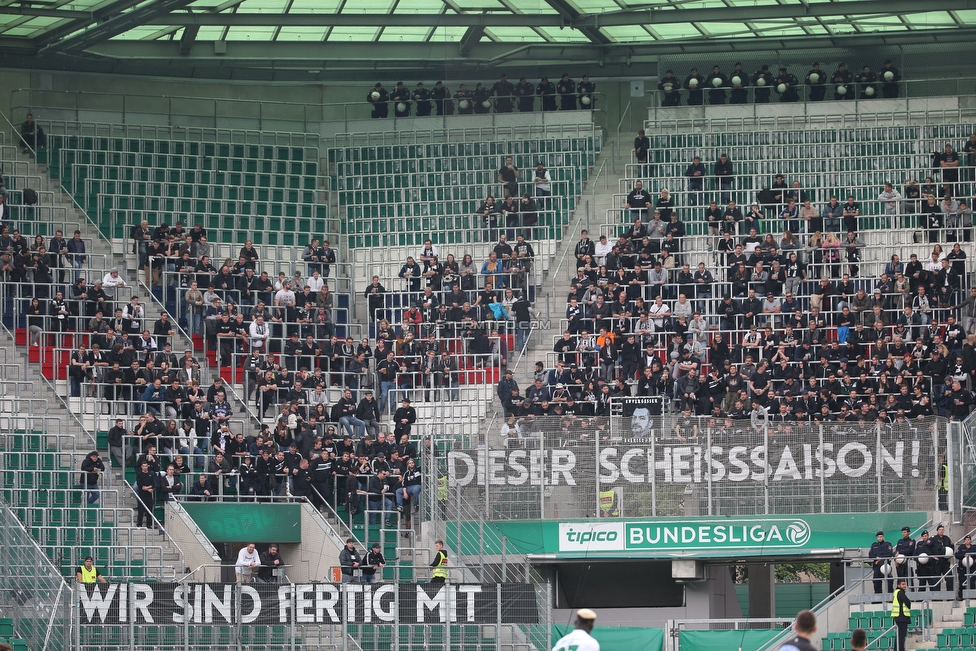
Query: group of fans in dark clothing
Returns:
{"type": "Point", "coordinates": [735, 86]}
{"type": "Point", "coordinates": [501, 97]}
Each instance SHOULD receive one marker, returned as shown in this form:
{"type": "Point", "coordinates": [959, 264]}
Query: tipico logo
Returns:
{"type": "Point", "coordinates": [798, 532]}
{"type": "Point", "coordinates": [583, 536]}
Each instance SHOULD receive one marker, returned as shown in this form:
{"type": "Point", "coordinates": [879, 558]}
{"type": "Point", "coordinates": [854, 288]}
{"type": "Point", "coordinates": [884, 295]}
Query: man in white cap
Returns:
{"type": "Point", "coordinates": [580, 639]}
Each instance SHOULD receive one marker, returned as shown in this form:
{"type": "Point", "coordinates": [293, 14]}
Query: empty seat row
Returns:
{"type": "Point", "coordinates": [181, 147]}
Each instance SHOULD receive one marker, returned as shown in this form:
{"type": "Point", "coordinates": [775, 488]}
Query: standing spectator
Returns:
{"type": "Point", "coordinates": [696, 181]}
{"type": "Point", "coordinates": [145, 485]}
{"type": "Point", "coordinates": [543, 185]}
{"type": "Point", "coordinates": [32, 136]}
{"type": "Point", "coordinates": [349, 561]}
{"type": "Point", "coordinates": [76, 253]}
{"type": "Point", "coordinates": [642, 146]}
{"type": "Point", "coordinates": [247, 560]}
{"type": "Point", "coordinates": [669, 86]}
{"type": "Point", "coordinates": [891, 199]}
{"type": "Point", "coordinates": [270, 561]}
{"type": "Point", "coordinates": [724, 178]}
{"type": "Point", "coordinates": [637, 202]}
{"type": "Point", "coordinates": [374, 561]}
{"type": "Point", "coordinates": [92, 468]}
{"type": "Point", "coordinates": [508, 175]}
{"type": "Point", "coordinates": [949, 162]}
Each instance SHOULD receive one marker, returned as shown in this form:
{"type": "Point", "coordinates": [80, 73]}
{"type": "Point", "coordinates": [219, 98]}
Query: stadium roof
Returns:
{"type": "Point", "coordinates": [403, 34]}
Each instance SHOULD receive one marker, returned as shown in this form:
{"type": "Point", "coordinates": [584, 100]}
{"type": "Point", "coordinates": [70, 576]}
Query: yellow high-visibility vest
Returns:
{"type": "Point", "coordinates": [88, 576]}
{"type": "Point", "coordinates": [440, 570]}
{"type": "Point", "coordinates": [897, 609]}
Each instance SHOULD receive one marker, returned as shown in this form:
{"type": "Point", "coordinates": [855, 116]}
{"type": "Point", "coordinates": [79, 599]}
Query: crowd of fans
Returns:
{"type": "Point", "coordinates": [777, 317]}
{"type": "Point", "coordinates": [734, 86]}
{"type": "Point", "coordinates": [501, 97]}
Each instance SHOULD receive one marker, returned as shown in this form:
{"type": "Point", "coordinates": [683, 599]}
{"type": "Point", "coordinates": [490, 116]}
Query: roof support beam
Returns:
{"type": "Point", "coordinates": [470, 39]}
{"type": "Point", "coordinates": [57, 33]}
{"type": "Point", "coordinates": [368, 55]}
{"type": "Point", "coordinates": [567, 17]}
{"type": "Point", "coordinates": [187, 38]}
{"type": "Point", "coordinates": [116, 24]}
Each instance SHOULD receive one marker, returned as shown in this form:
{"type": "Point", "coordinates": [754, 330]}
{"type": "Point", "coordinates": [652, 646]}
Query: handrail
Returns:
{"type": "Point", "coordinates": [580, 214]}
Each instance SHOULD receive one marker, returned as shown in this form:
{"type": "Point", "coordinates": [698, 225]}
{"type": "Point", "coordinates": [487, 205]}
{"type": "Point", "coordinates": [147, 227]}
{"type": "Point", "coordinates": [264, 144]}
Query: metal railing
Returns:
{"type": "Point", "coordinates": [207, 114]}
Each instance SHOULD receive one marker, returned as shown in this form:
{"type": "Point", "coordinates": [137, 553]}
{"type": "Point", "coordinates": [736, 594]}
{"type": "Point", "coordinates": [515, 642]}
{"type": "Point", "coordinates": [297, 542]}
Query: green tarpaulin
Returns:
{"type": "Point", "coordinates": [620, 638]}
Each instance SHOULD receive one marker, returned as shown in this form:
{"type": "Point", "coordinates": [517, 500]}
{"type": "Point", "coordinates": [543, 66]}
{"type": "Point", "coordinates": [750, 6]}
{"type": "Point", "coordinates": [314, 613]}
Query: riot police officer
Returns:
{"type": "Point", "coordinates": [379, 98]}
{"type": "Point", "coordinates": [400, 98]}
{"type": "Point", "coordinates": [889, 80]}
{"type": "Point", "coordinates": [788, 83]}
{"type": "Point", "coordinates": [944, 564]}
{"type": "Point", "coordinates": [694, 84]}
{"type": "Point", "coordinates": [669, 86]}
{"type": "Point", "coordinates": [584, 91]}
{"type": "Point", "coordinates": [842, 79]}
{"type": "Point", "coordinates": [927, 570]}
{"type": "Point", "coordinates": [526, 95]}
{"type": "Point", "coordinates": [964, 551]}
{"type": "Point", "coordinates": [567, 93]}
{"type": "Point", "coordinates": [816, 80]}
{"type": "Point", "coordinates": [422, 97]}
{"type": "Point", "coordinates": [905, 547]}
{"type": "Point", "coordinates": [881, 552]}
{"type": "Point", "coordinates": [763, 81]}
{"type": "Point", "coordinates": [740, 85]}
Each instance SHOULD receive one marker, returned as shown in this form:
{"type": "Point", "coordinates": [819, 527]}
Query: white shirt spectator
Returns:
{"type": "Point", "coordinates": [892, 199]}
{"type": "Point", "coordinates": [683, 308]}
{"type": "Point", "coordinates": [542, 180]}
{"type": "Point", "coordinates": [659, 312]}
{"type": "Point", "coordinates": [602, 250]}
{"type": "Point", "coordinates": [284, 297]}
{"type": "Point", "coordinates": [315, 283]}
{"type": "Point", "coordinates": [248, 560]}
{"type": "Point", "coordinates": [259, 333]}
{"type": "Point", "coordinates": [113, 279]}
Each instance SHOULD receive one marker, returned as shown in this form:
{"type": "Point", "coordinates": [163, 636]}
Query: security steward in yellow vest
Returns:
{"type": "Point", "coordinates": [87, 573]}
{"type": "Point", "coordinates": [901, 612]}
{"type": "Point", "coordinates": [942, 487]}
{"type": "Point", "coordinates": [438, 571]}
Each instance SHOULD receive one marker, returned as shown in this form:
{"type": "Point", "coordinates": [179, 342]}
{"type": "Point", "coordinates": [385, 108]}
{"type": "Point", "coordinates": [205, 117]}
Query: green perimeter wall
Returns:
{"type": "Point", "coordinates": [791, 598]}
{"type": "Point", "coordinates": [247, 522]}
{"type": "Point", "coordinates": [725, 640]}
